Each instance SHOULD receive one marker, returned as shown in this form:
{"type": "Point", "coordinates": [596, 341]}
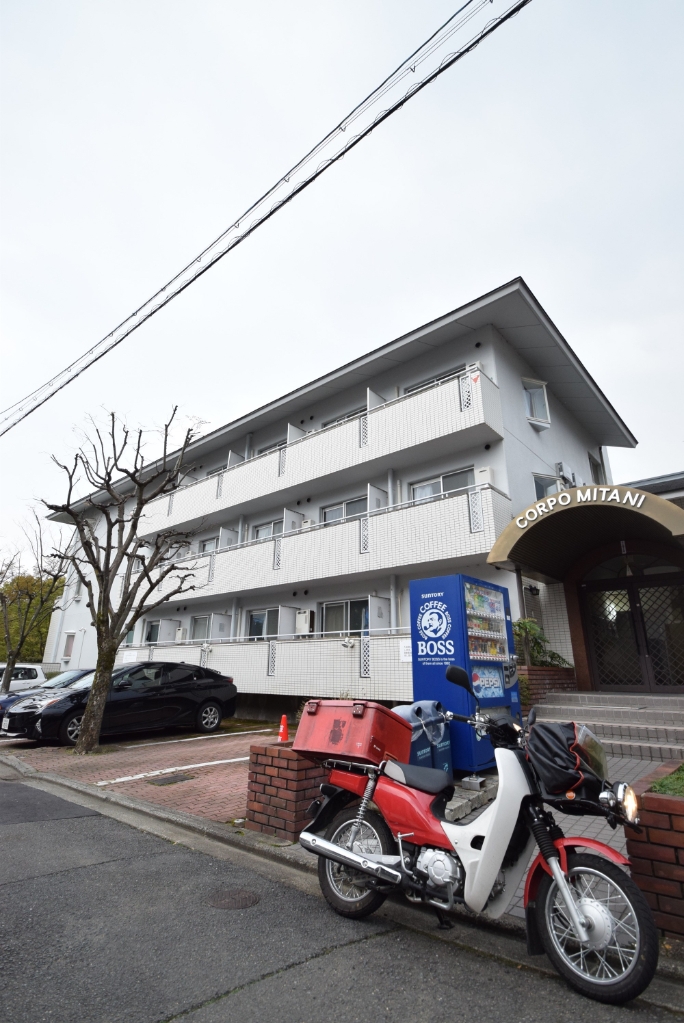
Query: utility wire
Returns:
{"type": "Point", "coordinates": [291, 184]}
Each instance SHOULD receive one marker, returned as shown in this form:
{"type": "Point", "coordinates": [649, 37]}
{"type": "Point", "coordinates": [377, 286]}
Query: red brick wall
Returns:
{"type": "Point", "coordinates": [546, 680]}
{"type": "Point", "coordinates": [281, 786]}
{"type": "Point", "coordinates": [657, 854]}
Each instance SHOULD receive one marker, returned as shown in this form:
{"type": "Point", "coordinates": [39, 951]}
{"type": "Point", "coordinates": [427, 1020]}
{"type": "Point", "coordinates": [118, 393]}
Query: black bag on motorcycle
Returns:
{"type": "Point", "coordinates": [558, 757]}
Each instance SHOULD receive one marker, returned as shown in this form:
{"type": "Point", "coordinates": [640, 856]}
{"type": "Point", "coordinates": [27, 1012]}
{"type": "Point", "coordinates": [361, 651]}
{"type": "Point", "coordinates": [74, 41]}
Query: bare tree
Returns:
{"type": "Point", "coordinates": [28, 596]}
{"type": "Point", "coordinates": [120, 570]}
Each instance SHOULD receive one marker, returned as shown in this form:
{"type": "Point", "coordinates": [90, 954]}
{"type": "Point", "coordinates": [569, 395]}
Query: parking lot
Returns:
{"type": "Point", "coordinates": [202, 775]}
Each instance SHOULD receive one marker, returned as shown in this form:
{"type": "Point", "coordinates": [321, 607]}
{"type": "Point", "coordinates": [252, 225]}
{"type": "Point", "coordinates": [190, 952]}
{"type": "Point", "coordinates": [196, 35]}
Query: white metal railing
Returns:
{"type": "Point", "coordinates": [284, 637]}
{"type": "Point", "coordinates": [465, 394]}
{"type": "Point", "coordinates": [476, 519]}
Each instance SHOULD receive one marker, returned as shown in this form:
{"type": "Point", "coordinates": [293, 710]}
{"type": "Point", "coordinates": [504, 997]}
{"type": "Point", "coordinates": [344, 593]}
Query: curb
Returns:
{"type": "Point", "coordinates": [268, 848]}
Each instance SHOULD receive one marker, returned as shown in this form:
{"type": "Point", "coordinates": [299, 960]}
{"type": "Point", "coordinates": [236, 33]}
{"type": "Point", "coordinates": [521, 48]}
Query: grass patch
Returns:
{"type": "Point", "coordinates": [241, 725]}
{"type": "Point", "coordinates": [673, 785]}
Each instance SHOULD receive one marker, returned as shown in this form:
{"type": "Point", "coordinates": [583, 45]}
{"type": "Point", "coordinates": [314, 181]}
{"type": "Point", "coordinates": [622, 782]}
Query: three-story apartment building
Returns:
{"type": "Point", "coordinates": [311, 514]}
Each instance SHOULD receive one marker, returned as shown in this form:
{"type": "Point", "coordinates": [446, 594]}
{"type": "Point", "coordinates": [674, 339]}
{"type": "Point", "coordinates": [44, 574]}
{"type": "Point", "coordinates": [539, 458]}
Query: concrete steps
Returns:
{"type": "Point", "coordinates": [644, 727]}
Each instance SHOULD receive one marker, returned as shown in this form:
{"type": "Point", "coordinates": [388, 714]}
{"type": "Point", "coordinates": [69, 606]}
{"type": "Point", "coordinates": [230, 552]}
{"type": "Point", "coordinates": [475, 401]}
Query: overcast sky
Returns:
{"type": "Point", "coordinates": [133, 132]}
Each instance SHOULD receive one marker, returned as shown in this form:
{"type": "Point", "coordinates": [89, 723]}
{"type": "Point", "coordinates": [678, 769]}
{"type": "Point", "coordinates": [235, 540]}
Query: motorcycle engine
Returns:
{"type": "Point", "coordinates": [440, 866]}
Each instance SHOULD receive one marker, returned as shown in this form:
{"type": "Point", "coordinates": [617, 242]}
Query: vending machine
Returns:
{"type": "Point", "coordinates": [456, 619]}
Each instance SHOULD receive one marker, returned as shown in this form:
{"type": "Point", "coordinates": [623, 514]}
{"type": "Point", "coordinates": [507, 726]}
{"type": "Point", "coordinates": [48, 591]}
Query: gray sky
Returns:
{"type": "Point", "coordinates": [133, 132]}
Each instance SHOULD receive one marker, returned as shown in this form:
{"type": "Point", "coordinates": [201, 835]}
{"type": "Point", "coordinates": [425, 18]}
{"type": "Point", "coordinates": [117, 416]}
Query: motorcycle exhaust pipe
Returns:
{"type": "Point", "coordinates": [320, 846]}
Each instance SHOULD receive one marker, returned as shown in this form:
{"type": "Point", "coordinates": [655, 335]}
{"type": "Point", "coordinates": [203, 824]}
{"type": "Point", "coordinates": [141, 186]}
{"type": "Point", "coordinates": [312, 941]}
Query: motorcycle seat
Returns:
{"type": "Point", "coordinates": [425, 779]}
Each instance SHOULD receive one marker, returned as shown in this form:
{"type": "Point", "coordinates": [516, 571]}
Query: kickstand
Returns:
{"type": "Point", "coordinates": [445, 924]}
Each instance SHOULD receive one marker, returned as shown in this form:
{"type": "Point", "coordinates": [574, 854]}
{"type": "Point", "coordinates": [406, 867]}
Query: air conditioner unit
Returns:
{"type": "Point", "coordinates": [305, 623]}
{"type": "Point", "coordinates": [181, 635]}
{"type": "Point", "coordinates": [565, 472]}
{"type": "Point", "coordinates": [306, 523]}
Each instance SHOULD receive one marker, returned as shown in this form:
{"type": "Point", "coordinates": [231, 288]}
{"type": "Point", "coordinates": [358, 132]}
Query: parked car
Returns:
{"type": "Point", "coordinates": [65, 678]}
{"type": "Point", "coordinates": [25, 676]}
{"type": "Point", "coordinates": [155, 694]}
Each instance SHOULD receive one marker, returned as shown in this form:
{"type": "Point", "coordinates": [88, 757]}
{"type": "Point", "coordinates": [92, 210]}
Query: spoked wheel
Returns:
{"type": "Point", "coordinates": [71, 729]}
{"type": "Point", "coordinates": [209, 717]}
{"type": "Point", "coordinates": [619, 960]}
{"type": "Point", "coordinates": [344, 888]}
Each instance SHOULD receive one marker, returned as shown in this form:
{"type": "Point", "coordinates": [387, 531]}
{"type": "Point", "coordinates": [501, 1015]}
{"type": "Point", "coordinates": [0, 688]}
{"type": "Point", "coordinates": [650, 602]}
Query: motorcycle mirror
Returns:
{"type": "Point", "coordinates": [459, 677]}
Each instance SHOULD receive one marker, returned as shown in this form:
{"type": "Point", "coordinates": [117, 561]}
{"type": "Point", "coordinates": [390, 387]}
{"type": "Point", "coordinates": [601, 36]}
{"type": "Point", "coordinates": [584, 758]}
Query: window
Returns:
{"type": "Point", "coordinates": [597, 473]}
{"type": "Point", "coordinates": [267, 529]}
{"type": "Point", "coordinates": [199, 627]}
{"type": "Point", "coordinates": [347, 415]}
{"type": "Point", "coordinates": [272, 447]}
{"type": "Point", "coordinates": [536, 405]}
{"type": "Point", "coordinates": [137, 566]}
{"type": "Point", "coordinates": [152, 632]}
{"type": "Point", "coordinates": [69, 644]}
{"type": "Point", "coordinates": [206, 546]}
{"type": "Point", "coordinates": [139, 678]}
{"type": "Point", "coordinates": [263, 624]}
{"type": "Point", "coordinates": [24, 673]}
{"type": "Point", "coordinates": [129, 637]}
{"type": "Point", "coordinates": [346, 509]}
{"type": "Point", "coordinates": [545, 485]}
{"type": "Point", "coordinates": [78, 587]}
{"type": "Point", "coordinates": [185, 673]}
{"type": "Point", "coordinates": [219, 468]}
{"type": "Point", "coordinates": [346, 617]}
{"type": "Point", "coordinates": [434, 381]}
{"type": "Point", "coordinates": [458, 480]}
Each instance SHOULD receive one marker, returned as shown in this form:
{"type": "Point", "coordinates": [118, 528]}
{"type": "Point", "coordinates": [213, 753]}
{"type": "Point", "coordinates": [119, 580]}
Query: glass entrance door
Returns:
{"type": "Point", "coordinates": [635, 633]}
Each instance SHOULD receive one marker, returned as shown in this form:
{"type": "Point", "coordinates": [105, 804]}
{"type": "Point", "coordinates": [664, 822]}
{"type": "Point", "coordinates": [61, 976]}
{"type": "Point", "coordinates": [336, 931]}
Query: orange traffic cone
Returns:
{"type": "Point", "coordinates": [282, 733]}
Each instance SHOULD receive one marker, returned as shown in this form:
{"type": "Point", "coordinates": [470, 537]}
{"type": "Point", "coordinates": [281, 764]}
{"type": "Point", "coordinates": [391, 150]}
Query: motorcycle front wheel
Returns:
{"type": "Point", "coordinates": [619, 960]}
{"type": "Point", "coordinates": [344, 888]}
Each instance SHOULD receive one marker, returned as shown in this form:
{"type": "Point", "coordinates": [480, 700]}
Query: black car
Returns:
{"type": "Point", "coordinates": [155, 694]}
{"type": "Point", "coordinates": [65, 678]}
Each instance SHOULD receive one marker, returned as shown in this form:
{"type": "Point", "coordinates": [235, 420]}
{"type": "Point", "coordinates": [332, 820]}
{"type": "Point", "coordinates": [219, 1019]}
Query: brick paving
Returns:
{"type": "Point", "coordinates": [218, 793]}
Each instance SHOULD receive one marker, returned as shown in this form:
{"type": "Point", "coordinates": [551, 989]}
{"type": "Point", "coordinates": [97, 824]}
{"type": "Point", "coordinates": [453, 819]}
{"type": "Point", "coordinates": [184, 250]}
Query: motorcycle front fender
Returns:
{"type": "Point", "coordinates": [539, 866]}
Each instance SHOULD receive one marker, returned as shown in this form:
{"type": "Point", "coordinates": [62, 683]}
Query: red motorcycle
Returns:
{"type": "Point", "coordinates": [381, 827]}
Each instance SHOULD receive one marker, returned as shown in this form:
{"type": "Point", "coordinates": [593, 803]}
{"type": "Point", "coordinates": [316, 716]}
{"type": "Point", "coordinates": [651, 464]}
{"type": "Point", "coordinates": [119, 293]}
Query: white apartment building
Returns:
{"type": "Point", "coordinates": [312, 514]}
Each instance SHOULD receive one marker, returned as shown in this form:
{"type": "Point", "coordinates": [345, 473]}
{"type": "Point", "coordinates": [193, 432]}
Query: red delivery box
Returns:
{"type": "Point", "coordinates": [352, 730]}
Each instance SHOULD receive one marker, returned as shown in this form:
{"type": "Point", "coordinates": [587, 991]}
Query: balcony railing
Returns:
{"type": "Point", "coordinates": [444, 526]}
{"type": "Point", "coordinates": [452, 406]}
{"type": "Point", "coordinates": [374, 667]}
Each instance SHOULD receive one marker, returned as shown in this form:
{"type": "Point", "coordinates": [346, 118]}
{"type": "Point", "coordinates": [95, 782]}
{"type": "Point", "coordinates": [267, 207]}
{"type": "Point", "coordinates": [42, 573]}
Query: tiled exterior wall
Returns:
{"type": "Point", "coordinates": [549, 611]}
{"type": "Point", "coordinates": [542, 681]}
{"type": "Point", "coordinates": [309, 667]}
{"type": "Point", "coordinates": [409, 422]}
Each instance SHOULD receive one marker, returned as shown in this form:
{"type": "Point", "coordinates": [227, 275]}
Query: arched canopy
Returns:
{"type": "Point", "coordinates": [549, 536]}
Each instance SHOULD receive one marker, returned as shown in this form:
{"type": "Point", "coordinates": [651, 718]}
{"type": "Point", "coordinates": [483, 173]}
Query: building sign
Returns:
{"type": "Point", "coordinates": [581, 496]}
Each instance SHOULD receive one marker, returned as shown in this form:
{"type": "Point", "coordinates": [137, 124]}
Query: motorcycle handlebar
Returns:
{"type": "Point", "coordinates": [460, 717]}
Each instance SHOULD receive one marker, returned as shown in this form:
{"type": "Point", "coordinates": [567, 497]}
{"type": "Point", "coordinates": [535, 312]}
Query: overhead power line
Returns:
{"type": "Point", "coordinates": [332, 148]}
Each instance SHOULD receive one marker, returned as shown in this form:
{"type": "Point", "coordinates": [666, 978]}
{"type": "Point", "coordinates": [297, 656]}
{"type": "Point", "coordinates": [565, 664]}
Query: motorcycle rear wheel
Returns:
{"type": "Point", "coordinates": [344, 888]}
{"type": "Point", "coordinates": [621, 956]}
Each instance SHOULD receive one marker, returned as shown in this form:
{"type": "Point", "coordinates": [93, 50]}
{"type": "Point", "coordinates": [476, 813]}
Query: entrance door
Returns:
{"type": "Point", "coordinates": [635, 633]}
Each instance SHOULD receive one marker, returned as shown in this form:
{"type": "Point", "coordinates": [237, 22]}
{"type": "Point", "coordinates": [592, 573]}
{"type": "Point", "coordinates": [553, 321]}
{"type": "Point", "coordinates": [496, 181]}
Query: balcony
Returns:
{"type": "Point", "coordinates": [441, 529]}
{"type": "Point", "coordinates": [452, 416]}
{"type": "Point", "coordinates": [374, 668]}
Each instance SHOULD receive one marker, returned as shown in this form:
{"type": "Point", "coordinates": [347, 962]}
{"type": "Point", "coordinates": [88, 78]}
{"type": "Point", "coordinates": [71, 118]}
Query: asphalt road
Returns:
{"type": "Point", "coordinates": [101, 922]}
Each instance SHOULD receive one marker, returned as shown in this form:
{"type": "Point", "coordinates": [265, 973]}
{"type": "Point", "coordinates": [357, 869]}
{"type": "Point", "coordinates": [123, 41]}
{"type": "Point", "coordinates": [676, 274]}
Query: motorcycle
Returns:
{"type": "Point", "coordinates": [379, 829]}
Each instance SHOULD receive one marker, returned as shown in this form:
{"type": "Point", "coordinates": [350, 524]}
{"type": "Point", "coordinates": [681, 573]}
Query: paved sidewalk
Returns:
{"type": "Point", "coordinates": [215, 791]}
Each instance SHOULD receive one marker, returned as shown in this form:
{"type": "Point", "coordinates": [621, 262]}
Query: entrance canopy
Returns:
{"type": "Point", "coordinates": [549, 536]}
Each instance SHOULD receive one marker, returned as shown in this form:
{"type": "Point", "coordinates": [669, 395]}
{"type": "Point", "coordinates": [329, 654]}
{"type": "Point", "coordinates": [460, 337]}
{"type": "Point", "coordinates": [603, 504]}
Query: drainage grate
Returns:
{"type": "Point", "coordinates": [170, 779]}
{"type": "Point", "coordinates": [233, 898]}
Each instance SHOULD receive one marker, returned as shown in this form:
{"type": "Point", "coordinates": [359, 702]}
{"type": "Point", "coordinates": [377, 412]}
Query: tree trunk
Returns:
{"type": "Point", "coordinates": [89, 736]}
{"type": "Point", "coordinates": [7, 673]}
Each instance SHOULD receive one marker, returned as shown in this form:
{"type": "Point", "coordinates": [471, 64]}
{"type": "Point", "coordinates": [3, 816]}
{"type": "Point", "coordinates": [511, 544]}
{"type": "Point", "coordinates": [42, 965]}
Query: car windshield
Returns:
{"type": "Point", "coordinates": [85, 682]}
{"type": "Point", "coordinates": [65, 678]}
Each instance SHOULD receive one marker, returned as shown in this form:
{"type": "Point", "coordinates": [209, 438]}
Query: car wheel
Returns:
{"type": "Point", "coordinates": [209, 717]}
{"type": "Point", "coordinates": [71, 728]}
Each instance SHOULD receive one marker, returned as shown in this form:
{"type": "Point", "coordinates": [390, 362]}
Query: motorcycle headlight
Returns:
{"type": "Point", "coordinates": [626, 797]}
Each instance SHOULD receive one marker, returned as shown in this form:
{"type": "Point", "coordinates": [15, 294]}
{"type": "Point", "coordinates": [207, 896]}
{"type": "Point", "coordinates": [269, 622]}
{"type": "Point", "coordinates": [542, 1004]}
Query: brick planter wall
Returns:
{"type": "Point", "coordinates": [657, 854]}
{"type": "Point", "coordinates": [543, 681]}
{"type": "Point", "coordinates": [281, 786]}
